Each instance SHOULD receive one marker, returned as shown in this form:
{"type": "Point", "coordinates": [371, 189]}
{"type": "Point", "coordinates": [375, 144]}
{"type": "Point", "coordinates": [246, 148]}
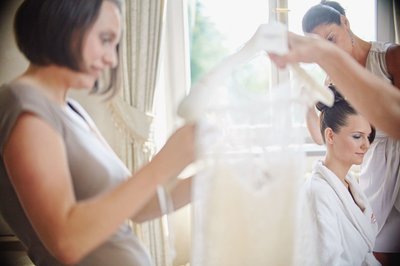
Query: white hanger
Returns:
{"type": "Point", "coordinates": [270, 37]}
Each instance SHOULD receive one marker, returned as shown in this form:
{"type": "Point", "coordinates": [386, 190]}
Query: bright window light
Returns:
{"type": "Point", "coordinates": [236, 20]}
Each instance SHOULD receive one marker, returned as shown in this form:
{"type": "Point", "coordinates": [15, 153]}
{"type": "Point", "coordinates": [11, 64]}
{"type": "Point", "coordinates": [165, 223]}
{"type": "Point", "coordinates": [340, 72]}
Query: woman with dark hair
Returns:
{"type": "Point", "coordinates": [329, 21]}
{"type": "Point", "coordinates": [63, 191]}
{"type": "Point", "coordinates": [379, 102]}
{"type": "Point", "coordinates": [343, 222]}
{"type": "Point", "coordinates": [380, 171]}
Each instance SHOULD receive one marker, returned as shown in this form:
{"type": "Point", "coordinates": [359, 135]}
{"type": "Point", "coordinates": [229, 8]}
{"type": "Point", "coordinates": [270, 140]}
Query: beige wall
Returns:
{"type": "Point", "coordinates": [12, 61]}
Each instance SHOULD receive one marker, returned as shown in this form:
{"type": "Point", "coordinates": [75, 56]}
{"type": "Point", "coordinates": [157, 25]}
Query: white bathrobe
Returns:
{"type": "Point", "coordinates": [343, 228]}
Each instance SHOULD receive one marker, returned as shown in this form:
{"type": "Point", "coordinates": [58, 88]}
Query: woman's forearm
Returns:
{"type": "Point", "coordinates": [376, 99]}
{"type": "Point", "coordinates": [177, 194]}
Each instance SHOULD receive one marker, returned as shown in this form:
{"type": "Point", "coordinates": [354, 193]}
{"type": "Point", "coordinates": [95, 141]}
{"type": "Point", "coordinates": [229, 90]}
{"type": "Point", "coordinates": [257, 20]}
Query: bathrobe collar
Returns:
{"type": "Point", "coordinates": [358, 210]}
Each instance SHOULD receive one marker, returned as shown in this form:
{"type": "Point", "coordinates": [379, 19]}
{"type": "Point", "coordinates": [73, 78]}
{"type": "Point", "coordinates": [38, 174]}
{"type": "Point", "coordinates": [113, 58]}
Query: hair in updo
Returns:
{"type": "Point", "coordinates": [327, 12]}
{"type": "Point", "coordinates": [335, 117]}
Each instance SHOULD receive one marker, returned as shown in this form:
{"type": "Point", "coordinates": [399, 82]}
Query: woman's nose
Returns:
{"type": "Point", "coordinates": [111, 57]}
{"type": "Point", "coordinates": [365, 144]}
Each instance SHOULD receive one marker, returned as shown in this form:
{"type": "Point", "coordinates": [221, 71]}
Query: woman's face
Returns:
{"type": "Point", "coordinates": [100, 43]}
{"type": "Point", "coordinates": [350, 144]}
{"type": "Point", "coordinates": [337, 34]}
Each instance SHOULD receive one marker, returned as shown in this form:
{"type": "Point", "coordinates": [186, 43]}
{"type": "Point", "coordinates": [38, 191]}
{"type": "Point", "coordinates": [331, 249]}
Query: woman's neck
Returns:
{"type": "Point", "coordinates": [339, 168]}
{"type": "Point", "coordinates": [53, 81]}
{"type": "Point", "coordinates": [360, 50]}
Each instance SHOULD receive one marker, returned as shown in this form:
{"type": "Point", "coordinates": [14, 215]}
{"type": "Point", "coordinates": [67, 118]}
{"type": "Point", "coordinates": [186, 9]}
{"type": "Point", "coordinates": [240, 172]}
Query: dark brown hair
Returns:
{"type": "Point", "coordinates": [327, 12]}
{"type": "Point", "coordinates": [335, 117]}
{"type": "Point", "coordinates": [52, 31]}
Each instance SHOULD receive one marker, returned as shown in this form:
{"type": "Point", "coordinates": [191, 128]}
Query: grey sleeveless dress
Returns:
{"type": "Point", "coordinates": [380, 170]}
{"type": "Point", "coordinates": [93, 167]}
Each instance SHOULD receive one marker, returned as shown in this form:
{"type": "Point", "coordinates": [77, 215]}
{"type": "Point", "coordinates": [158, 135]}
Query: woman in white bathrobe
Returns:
{"type": "Point", "coordinates": [380, 170]}
{"type": "Point", "coordinates": [342, 220]}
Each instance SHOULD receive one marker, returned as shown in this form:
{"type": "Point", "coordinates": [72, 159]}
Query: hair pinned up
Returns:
{"type": "Point", "coordinates": [335, 117]}
{"type": "Point", "coordinates": [334, 5]}
{"type": "Point", "coordinates": [327, 12]}
{"type": "Point", "coordinates": [338, 98]}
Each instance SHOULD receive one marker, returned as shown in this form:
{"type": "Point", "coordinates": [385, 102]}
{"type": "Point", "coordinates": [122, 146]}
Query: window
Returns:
{"type": "Point", "coordinates": [218, 29]}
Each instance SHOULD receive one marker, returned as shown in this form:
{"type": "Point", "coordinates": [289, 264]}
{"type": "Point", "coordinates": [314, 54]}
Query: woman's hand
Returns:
{"type": "Point", "coordinates": [306, 49]}
{"type": "Point", "coordinates": [178, 152]}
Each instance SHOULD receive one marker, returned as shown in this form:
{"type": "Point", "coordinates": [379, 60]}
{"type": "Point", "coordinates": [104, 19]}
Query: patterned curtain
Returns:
{"type": "Point", "coordinates": [396, 20]}
{"type": "Point", "coordinates": [132, 110]}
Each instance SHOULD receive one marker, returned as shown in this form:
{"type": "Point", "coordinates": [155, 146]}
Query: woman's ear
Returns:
{"type": "Point", "coordinates": [329, 135]}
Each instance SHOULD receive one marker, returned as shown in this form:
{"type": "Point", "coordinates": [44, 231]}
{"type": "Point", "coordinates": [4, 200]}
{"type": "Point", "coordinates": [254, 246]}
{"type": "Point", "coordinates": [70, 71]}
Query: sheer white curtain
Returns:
{"type": "Point", "coordinates": [175, 70]}
{"type": "Point", "coordinates": [174, 83]}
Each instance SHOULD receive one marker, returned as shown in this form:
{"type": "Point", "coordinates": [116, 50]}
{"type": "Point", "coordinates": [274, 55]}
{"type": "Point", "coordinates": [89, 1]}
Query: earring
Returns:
{"type": "Point", "coordinates": [352, 39]}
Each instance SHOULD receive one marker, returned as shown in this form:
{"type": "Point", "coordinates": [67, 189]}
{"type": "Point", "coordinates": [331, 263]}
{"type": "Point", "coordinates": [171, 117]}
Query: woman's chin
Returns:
{"type": "Point", "coordinates": [87, 82]}
{"type": "Point", "coordinates": [358, 161]}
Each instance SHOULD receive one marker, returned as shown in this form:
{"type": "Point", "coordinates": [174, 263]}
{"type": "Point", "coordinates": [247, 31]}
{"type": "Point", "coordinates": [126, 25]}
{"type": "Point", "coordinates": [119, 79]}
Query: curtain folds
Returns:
{"type": "Point", "coordinates": [396, 20]}
{"type": "Point", "coordinates": [388, 21]}
{"type": "Point", "coordinates": [132, 110]}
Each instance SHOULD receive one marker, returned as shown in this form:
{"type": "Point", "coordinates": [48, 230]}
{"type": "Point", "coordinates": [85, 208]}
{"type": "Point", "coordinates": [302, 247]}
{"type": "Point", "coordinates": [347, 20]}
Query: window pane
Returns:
{"type": "Point", "coordinates": [220, 28]}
